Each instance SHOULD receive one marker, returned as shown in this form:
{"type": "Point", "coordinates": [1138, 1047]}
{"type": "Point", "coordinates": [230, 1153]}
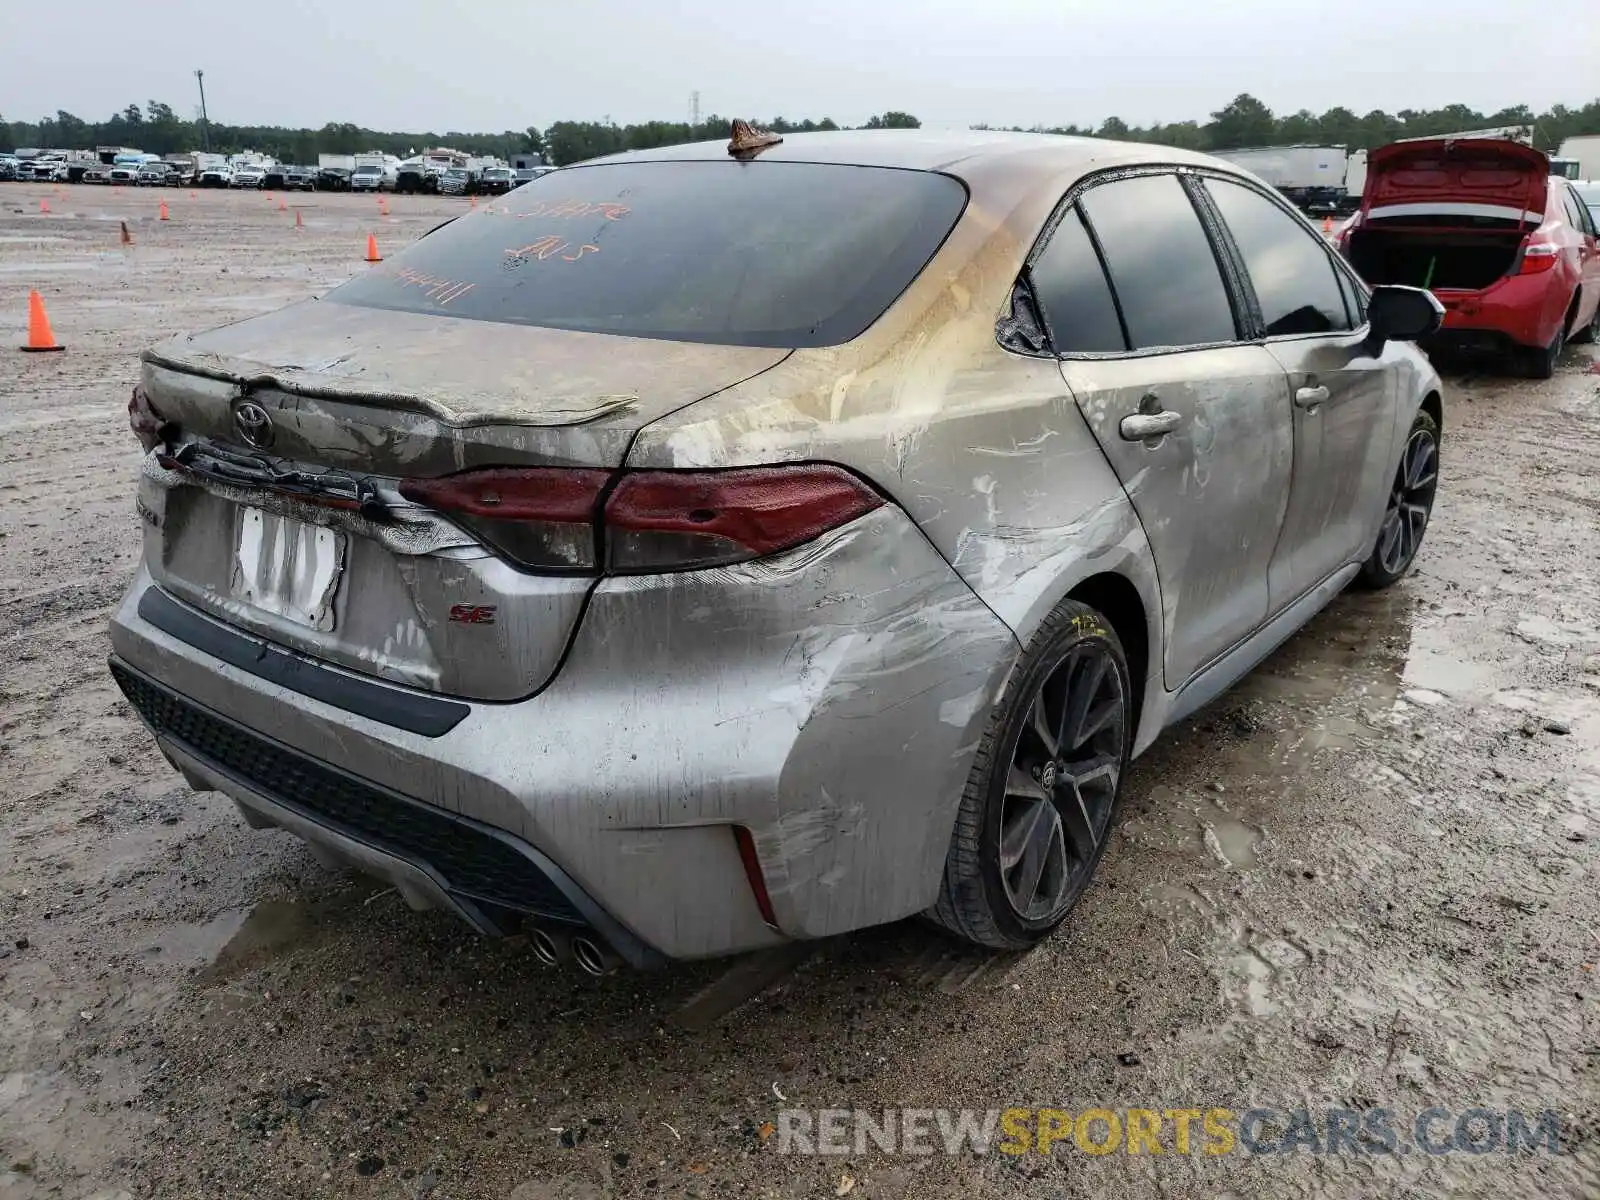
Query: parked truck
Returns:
{"type": "Point", "coordinates": [1312, 177]}
{"type": "Point", "coordinates": [334, 171]}
{"type": "Point", "coordinates": [374, 172]}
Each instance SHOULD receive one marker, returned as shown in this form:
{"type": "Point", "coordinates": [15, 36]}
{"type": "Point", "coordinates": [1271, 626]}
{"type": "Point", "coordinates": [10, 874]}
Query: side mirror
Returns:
{"type": "Point", "coordinates": [1402, 314]}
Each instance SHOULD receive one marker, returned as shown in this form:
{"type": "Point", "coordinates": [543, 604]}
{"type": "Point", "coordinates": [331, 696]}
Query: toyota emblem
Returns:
{"type": "Point", "coordinates": [253, 424]}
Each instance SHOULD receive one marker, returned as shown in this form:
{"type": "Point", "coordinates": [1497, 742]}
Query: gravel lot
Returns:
{"type": "Point", "coordinates": [1366, 877]}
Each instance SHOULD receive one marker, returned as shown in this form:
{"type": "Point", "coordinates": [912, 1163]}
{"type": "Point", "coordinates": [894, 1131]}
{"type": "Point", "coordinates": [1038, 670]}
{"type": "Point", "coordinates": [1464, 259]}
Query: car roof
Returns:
{"type": "Point", "coordinates": [1004, 172]}
{"type": "Point", "coordinates": [957, 152]}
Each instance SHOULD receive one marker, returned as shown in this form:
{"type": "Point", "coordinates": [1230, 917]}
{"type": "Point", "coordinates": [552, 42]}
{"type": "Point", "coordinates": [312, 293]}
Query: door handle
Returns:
{"type": "Point", "coordinates": [1310, 397]}
{"type": "Point", "coordinates": [1151, 423]}
{"type": "Point", "coordinates": [1142, 426]}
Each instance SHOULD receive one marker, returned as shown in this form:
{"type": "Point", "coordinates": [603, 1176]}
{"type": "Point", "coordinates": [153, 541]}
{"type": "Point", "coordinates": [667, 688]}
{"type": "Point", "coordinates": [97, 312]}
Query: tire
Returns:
{"type": "Point", "coordinates": [1409, 509]}
{"type": "Point", "coordinates": [1073, 671]}
{"type": "Point", "coordinates": [1542, 363]}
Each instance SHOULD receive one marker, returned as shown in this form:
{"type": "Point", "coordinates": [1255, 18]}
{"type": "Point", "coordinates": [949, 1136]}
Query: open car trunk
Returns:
{"type": "Point", "coordinates": [1447, 214]}
{"type": "Point", "coordinates": [1445, 259]}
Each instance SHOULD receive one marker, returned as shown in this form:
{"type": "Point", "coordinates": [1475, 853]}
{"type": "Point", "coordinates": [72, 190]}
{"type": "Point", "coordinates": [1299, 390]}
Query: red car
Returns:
{"type": "Point", "coordinates": [1510, 250]}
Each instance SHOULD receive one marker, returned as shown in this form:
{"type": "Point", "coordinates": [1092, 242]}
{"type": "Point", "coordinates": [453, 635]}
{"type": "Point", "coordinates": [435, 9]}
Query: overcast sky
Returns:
{"type": "Point", "coordinates": [502, 64]}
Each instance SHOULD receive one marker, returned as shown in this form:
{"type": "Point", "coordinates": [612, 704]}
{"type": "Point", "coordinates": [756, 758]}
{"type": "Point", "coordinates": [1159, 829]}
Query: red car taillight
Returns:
{"type": "Point", "coordinates": [539, 517]}
{"type": "Point", "coordinates": [676, 520]}
{"type": "Point", "coordinates": [1537, 257]}
{"type": "Point", "coordinates": [552, 519]}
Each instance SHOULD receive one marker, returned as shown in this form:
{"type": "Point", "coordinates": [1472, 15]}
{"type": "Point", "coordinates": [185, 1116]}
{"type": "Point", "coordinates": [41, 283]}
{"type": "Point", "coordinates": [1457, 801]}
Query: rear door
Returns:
{"type": "Point", "coordinates": [1583, 225]}
{"type": "Point", "coordinates": [1341, 397]}
{"type": "Point", "coordinates": [1191, 419]}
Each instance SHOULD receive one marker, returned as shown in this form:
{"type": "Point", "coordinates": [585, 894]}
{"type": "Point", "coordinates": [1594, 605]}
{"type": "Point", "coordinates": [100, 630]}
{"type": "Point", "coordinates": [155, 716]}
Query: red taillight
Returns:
{"type": "Point", "coordinates": [1537, 257]}
{"type": "Point", "coordinates": [147, 424]}
{"type": "Point", "coordinates": [539, 517]}
{"type": "Point", "coordinates": [676, 520]}
{"type": "Point", "coordinates": [547, 518]}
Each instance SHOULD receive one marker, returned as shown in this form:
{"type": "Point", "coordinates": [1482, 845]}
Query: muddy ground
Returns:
{"type": "Point", "coordinates": [1367, 877]}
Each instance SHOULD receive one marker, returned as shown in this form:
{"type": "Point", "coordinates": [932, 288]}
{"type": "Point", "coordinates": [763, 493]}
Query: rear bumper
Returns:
{"type": "Point", "coordinates": [1521, 311]}
{"type": "Point", "coordinates": [829, 700]}
{"type": "Point", "coordinates": [435, 859]}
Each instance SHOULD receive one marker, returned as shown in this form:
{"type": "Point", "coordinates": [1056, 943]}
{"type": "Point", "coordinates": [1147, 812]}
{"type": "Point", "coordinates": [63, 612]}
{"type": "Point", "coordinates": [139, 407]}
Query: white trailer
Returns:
{"type": "Point", "coordinates": [1586, 150]}
{"type": "Point", "coordinates": [1311, 176]}
{"type": "Point", "coordinates": [1501, 133]}
{"type": "Point", "coordinates": [1355, 179]}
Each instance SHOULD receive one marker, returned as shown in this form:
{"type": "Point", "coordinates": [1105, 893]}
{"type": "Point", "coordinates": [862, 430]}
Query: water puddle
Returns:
{"type": "Point", "coordinates": [45, 268]}
{"type": "Point", "coordinates": [1255, 974]}
{"type": "Point", "coordinates": [1212, 832]}
{"type": "Point", "coordinates": [237, 940]}
{"type": "Point", "coordinates": [1175, 899]}
{"type": "Point", "coordinates": [1230, 841]}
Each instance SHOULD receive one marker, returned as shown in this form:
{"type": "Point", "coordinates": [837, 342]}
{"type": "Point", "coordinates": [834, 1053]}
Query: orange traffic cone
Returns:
{"type": "Point", "coordinates": [164, 216]}
{"type": "Point", "coordinates": [40, 336]}
{"type": "Point", "coordinates": [372, 249]}
{"type": "Point", "coordinates": [194, 196]}
{"type": "Point", "coordinates": [127, 238]}
{"type": "Point", "coordinates": [283, 205]}
{"type": "Point", "coordinates": [1327, 224]}
{"type": "Point", "coordinates": [383, 207]}
{"type": "Point", "coordinates": [474, 203]}
{"type": "Point", "coordinates": [44, 206]}
{"type": "Point", "coordinates": [298, 223]}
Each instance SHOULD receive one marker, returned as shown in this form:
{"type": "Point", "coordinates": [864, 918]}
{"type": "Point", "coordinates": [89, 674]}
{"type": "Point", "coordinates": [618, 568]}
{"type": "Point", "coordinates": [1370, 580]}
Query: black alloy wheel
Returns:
{"type": "Point", "coordinates": [1038, 809]}
{"type": "Point", "coordinates": [1410, 506]}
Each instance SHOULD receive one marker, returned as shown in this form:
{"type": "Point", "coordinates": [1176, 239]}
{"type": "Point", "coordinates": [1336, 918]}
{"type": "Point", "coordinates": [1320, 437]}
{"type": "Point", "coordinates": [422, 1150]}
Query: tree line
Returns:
{"type": "Point", "coordinates": [1246, 121]}
{"type": "Point", "coordinates": [157, 129]}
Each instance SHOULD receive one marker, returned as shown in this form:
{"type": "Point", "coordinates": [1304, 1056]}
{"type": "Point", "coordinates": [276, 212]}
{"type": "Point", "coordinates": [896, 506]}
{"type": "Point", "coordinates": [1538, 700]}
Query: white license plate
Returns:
{"type": "Point", "coordinates": [287, 567]}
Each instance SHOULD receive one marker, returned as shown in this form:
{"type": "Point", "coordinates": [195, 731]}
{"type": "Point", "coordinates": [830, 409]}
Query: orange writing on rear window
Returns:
{"type": "Point", "coordinates": [578, 208]}
{"type": "Point", "coordinates": [435, 287]}
{"type": "Point", "coordinates": [548, 247]}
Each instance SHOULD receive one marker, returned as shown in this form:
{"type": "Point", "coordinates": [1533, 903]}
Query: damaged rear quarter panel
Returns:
{"type": "Point", "coordinates": [829, 699]}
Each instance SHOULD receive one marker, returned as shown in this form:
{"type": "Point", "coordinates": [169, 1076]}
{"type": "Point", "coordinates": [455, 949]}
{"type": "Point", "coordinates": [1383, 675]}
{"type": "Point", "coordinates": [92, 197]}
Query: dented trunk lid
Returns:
{"type": "Point", "coordinates": [365, 398]}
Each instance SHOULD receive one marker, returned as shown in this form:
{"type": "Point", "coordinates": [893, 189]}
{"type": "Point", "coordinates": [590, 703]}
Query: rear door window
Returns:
{"type": "Point", "coordinates": [1577, 212]}
{"type": "Point", "coordinates": [1071, 287]}
{"type": "Point", "coordinates": [1293, 274]}
{"type": "Point", "coordinates": [1571, 207]}
{"type": "Point", "coordinates": [1355, 303]}
{"type": "Point", "coordinates": [1161, 263]}
{"type": "Point", "coordinates": [739, 253]}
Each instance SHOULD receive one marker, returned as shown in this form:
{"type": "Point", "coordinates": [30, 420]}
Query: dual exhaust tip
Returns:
{"type": "Point", "coordinates": [555, 949]}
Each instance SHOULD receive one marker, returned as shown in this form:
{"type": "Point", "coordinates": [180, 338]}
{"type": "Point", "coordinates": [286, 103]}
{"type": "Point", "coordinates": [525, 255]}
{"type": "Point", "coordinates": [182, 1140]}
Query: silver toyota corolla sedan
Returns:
{"type": "Point", "coordinates": [733, 543]}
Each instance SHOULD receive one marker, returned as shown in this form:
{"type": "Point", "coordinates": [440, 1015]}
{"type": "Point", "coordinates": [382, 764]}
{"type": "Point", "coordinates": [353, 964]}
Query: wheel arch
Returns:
{"type": "Point", "coordinates": [1433, 405]}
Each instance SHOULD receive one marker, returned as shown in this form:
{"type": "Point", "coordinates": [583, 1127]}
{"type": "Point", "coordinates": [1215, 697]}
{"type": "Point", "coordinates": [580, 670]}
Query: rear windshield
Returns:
{"type": "Point", "coordinates": [739, 253]}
